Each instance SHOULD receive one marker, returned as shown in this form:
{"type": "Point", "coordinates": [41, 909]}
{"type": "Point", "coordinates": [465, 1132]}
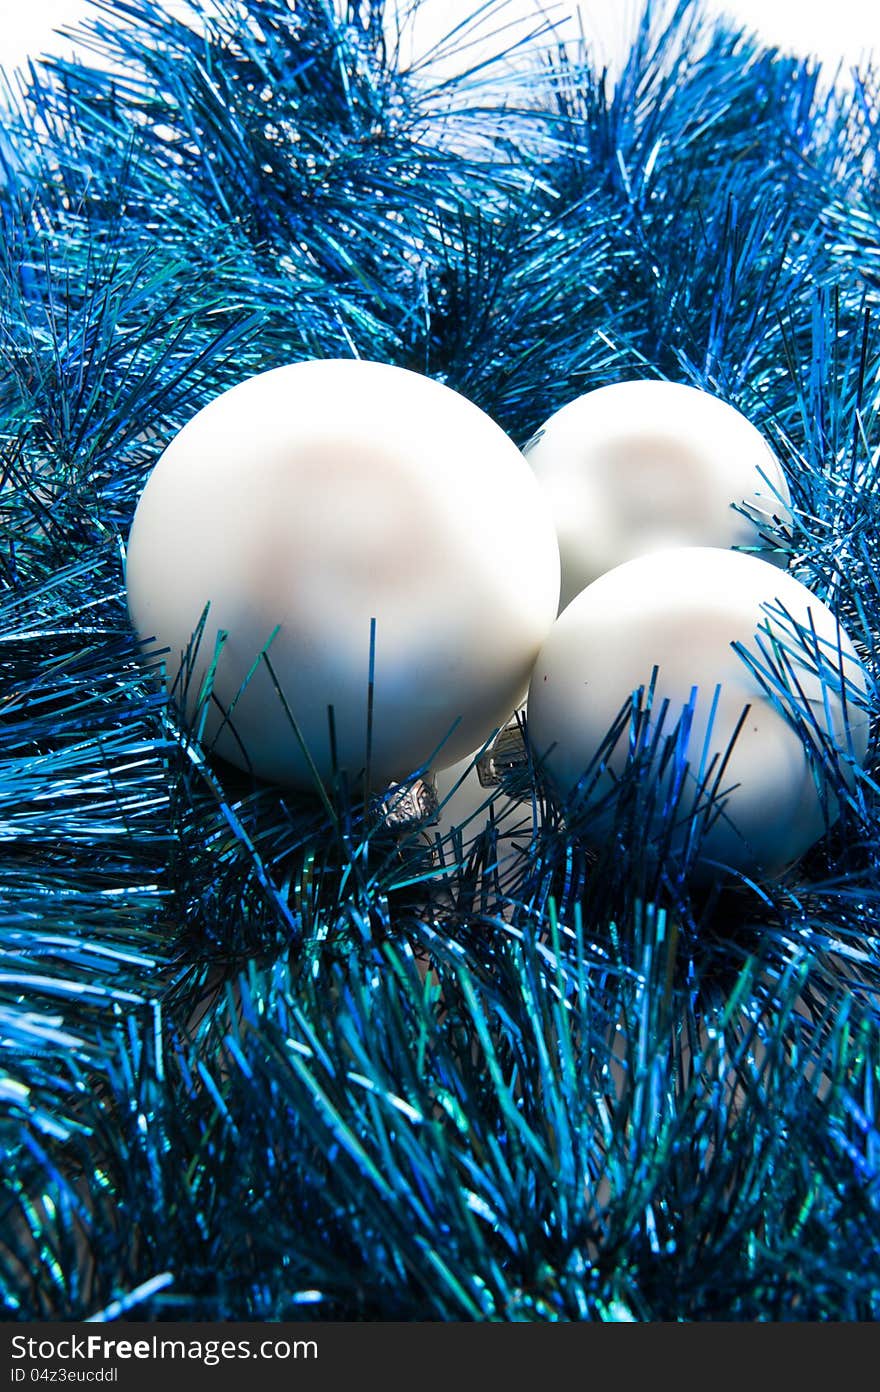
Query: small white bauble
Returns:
{"type": "Point", "coordinates": [642, 466]}
{"type": "Point", "coordinates": [682, 611]}
{"type": "Point", "coordinates": [318, 497]}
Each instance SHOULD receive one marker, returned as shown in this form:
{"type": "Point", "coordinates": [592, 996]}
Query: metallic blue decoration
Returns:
{"type": "Point", "coordinates": [267, 1058]}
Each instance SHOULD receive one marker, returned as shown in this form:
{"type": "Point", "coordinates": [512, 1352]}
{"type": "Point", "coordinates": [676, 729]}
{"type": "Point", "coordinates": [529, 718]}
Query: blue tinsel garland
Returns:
{"type": "Point", "coordinates": [263, 1060]}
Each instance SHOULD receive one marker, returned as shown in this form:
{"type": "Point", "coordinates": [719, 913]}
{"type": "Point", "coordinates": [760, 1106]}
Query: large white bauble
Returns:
{"type": "Point", "coordinates": [642, 466]}
{"type": "Point", "coordinates": [681, 611]}
{"type": "Point", "coordinates": [318, 497]}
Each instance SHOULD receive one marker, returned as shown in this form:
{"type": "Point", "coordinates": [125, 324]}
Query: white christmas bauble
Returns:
{"type": "Point", "coordinates": [642, 466]}
{"type": "Point", "coordinates": [464, 808]}
{"type": "Point", "coordinates": [682, 611]}
{"type": "Point", "coordinates": [318, 497]}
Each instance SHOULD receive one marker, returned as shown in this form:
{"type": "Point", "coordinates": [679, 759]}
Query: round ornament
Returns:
{"type": "Point", "coordinates": [489, 777]}
{"type": "Point", "coordinates": [376, 555]}
{"type": "Point", "coordinates": [763, 689]}
{"type": "Point", "coordinates": [642, 466]}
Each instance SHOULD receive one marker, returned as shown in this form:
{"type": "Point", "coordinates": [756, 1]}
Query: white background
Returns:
{"type": "Point", "coordinates": [837, 31]}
